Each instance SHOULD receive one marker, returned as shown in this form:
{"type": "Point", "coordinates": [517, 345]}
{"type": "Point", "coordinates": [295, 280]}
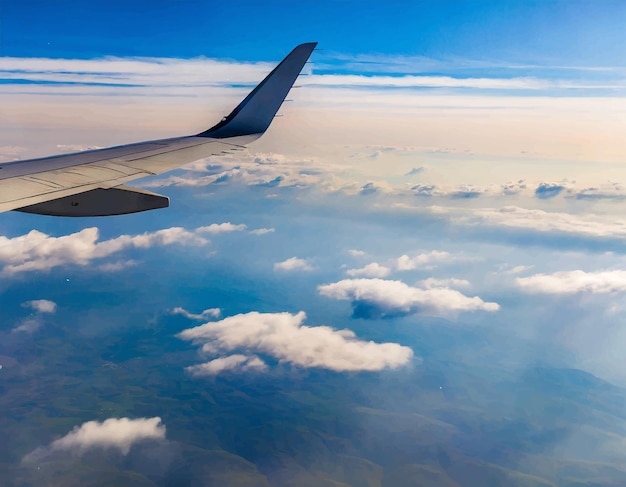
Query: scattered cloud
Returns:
{"type": "Point", "coordinates": [34, 322]}
{"type": "Point", "coordinates": [28, 325]}
{"type": "Point", "coordinates": [416, 170]}
{"type": "Point", "coordinates": [424, 260]}
{"type": "Point", "coordinates": [572, 282]}
{"type": "Point", "coordinates": [357, 253]}
{"type": "Point", "coordinates": [370, 270]}
{"type": "Point", "coordinates": [506, 269]}
{"type": "Point", "coordinates": [284, 337]}
{"type": "Point", "coordinates": [293, 264]}
{"type": "Point", "coordinates": [231, 363]}
{"type": "Point", "coordinates": [450, 282]}
{"type": "Point", "coordinates": [41, 305]}
{"type": "Point", "coordinates": [114, 433]}
{"type": "Point", "coordinates": [204, 315]}
{"type": "Point", "coordinates": [549, 190]}
{"type": "Point", "coordinates": [120, 265]}
{"type": "Point", "coordinates": [37, 251]}
{"type": "Point", "coordinates": [216, 228]}
{"type": "Point", "coordinates": [372, 298]}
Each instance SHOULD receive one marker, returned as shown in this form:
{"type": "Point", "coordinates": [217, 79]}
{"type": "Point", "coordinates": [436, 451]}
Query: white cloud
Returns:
{"type": "Point", "coordinates": [41, 305]}
{"type": "Point", "coordinates": [449, 282]}
{"type": "Point", "coordinates": [572, 282]}
{"type": "Point", "coordinates": [120, 265]}
{"type": "Point", "coordinates": [204, 315]}
{"type": "Point", "coordinates": [506, 269]}
{"type": "Point", "coordinates": [370, 270]}
{"type": "Point", "coordinates": [237, 362]}
{"type": "Point", "coordinates": [410, 81]}
{"type": "Point", "coordinates": [227, 227]}
{"type": "Point", "coordinates": [590, 225]}
{"type": "Point", "coordinates": [36, 321]}
{"type": "Point", "coordinates": [357, 253]}
{"type": "Point", "coordinates": [379, 297]}
{"type": "Point", "coordinates": [262, 231]}
{"type": "Point", "coordinates": [39, 251]}
{"type": "Point", "coordinates": [114, 433]}
{"type": "Point", "coordinates": [424, 260]}
{"type": "Point", "coordinates": [285, 337]}
{"type": "Point", "coordinates": [28, 325]}
{"type": "Point", "coordinates": [293, 264]}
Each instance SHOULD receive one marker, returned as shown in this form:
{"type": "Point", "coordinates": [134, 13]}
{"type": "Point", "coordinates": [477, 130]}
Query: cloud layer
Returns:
{"type": "Point", "coordinates": [572, 282]}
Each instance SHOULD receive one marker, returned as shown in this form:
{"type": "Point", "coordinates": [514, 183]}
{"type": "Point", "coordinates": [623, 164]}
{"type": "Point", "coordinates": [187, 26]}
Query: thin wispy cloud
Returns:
{"type": "Point", "coordinates": [216, 228]}
{"type": "Point", "coordinates": [210, 313]}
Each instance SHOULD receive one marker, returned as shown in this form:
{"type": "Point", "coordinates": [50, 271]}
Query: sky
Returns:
{"type": "Point", "coordinates": [451, 164]}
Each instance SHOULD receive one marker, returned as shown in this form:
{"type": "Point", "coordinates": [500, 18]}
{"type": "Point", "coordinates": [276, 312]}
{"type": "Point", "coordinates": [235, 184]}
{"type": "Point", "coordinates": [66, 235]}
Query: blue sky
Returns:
{"type": "Point", "coordinates": [446, 187]}
{"type": "Point", "coordinates": [540, 32]}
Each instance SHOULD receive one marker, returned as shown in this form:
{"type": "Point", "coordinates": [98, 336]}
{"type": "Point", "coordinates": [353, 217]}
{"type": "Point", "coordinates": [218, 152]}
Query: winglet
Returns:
{"type": "Point", "coordinates": [255, 113]}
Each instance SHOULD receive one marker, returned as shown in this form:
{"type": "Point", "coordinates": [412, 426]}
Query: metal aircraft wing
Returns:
{"type": "Point", "coordinates": [91, 183]}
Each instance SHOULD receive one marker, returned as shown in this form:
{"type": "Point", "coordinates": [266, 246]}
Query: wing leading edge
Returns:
{"type": "Point", "coordinates": [91, 183]}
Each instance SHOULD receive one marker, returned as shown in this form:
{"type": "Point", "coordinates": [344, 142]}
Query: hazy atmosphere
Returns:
{"type": "Point", "coordinates": [416, 277]}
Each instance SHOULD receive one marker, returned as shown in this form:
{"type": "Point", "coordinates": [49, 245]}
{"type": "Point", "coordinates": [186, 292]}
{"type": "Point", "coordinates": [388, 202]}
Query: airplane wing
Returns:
{"type": "Point", "coordinates": [91, 183]}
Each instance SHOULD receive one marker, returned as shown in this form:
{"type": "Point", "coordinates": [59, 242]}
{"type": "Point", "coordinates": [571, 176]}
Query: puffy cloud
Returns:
{"type": "Point", "coordinates": [237, 362]}
{"type": "Point", "coordinates": [227, 227]}
{"type": "Point", "coordinates": [549, 190]}
{"type": "Point", "coordinates": [406, 263]}
{"type": "Point", "coordinates": [204, 315]}
{"type": "Point", "coordinates": [466, 191]}
{"type": "Point", "coordinates": [610, 191]}
{"type": "Point", "coordinates": [114, 433]}
{"type": "Point", "coordinates": [381, 298]}
{"type": "Point", "coordinates": [572, 282]}
{"type": "Point", "coordinates": [39, 251]}
{"type": "Point", "coordinates": [285, 337]}
{"type": "Point", "coordinates": [41, 305]}
{"type": "Point", "coordinates": [370, 270]}
{"type": "Point", "coordinates": [262, 231]}
{"type": "Point", "coordinates": [293, 264]}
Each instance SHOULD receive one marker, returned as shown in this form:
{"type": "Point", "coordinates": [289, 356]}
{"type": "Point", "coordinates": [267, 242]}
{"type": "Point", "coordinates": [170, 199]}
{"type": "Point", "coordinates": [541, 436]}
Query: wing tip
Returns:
{"type": "Point", "coordinates": [255, 113]}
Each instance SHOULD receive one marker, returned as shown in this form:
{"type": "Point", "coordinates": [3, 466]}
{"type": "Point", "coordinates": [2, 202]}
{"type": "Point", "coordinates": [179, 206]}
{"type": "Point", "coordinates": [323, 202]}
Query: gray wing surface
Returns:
{"type": "Point", "coordinates": [91, 183]}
